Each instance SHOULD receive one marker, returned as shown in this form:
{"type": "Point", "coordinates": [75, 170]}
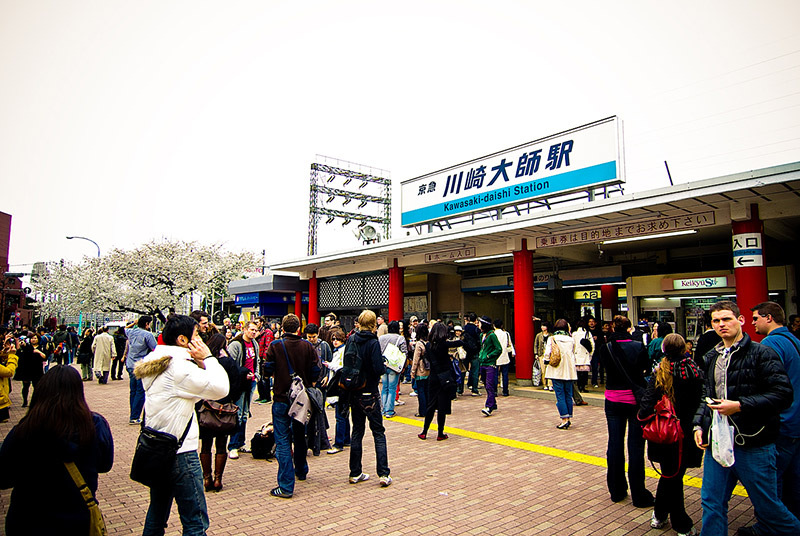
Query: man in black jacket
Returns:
{"type": "Point", "coordinates": [365, 403]}
{"type": "Point", "coordinates": [748, 385]}
{"type": "Point", "coordinates": [291, 354]}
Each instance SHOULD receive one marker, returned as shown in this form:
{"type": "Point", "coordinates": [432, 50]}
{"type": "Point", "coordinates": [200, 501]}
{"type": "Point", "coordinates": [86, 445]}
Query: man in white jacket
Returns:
{"type": "Point", "coordinates": [175, 376]}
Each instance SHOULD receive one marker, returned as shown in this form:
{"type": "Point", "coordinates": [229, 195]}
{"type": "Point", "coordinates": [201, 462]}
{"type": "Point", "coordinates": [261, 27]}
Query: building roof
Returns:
{"type": "Point", "coordinates": [775, 189]}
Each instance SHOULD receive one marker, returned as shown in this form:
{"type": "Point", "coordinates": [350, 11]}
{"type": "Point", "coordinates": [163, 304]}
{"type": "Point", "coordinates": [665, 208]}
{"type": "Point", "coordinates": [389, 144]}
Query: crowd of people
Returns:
{"type": "Point", "coordinates": [734, 400]}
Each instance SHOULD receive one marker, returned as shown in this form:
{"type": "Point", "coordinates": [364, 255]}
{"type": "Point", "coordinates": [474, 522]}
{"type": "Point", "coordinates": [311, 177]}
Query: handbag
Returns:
{"type": "Point", "coordinates": [97, 524]}
{"type": "Point", "coordinates": [300, 408]}
{"type": "Point", "coordinates": [555, 354]}
{"type": "Point", "coordinates": [216, 417]}
{"type": "Point", "coordinates": [394, 358]}
{"type": "Point", "coordinates": [664, 427]}
{"type": "Point", "coordinates": [154, 457]}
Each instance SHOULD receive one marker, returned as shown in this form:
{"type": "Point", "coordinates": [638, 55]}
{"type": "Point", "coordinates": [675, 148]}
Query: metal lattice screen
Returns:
{"type": "Point", "coordinates": [354, 292]}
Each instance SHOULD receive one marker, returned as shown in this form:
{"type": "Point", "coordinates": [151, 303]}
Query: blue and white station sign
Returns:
{"type": "Point", "coordinates": [569, 161]}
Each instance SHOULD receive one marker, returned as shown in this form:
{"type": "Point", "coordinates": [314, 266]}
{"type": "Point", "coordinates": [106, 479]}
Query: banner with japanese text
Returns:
{"type": "Point", "coordinates": [570, 161]}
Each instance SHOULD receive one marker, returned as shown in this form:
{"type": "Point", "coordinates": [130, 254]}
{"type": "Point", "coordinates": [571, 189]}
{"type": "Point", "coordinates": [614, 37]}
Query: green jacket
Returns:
{"type": "Point", "coordinates": [490, 350]}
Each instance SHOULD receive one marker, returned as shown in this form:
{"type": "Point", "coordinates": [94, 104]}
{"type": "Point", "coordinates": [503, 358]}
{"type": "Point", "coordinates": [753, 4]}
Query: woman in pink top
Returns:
{"type": "Point", "coordinates": [626, 362]}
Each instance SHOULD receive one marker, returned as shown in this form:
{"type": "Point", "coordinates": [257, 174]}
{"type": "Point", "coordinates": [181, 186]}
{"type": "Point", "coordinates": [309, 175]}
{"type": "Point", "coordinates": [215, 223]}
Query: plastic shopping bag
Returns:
{"type": "Point", "coordinates": [537, 373]}
{"type": "Point", "coordinates": [722, 440]}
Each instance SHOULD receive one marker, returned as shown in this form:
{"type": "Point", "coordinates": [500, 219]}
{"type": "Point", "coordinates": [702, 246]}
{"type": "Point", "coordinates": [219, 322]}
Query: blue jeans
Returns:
{"type": "Point", "coordinates": [363, 407]}
{"type": "Point", "coordinates": [137, 395]}
{"type": "Point", "coordinates": [186, 487]}
{"type": "Point", "coordinates": [422, 395]}
{"type": "Point", "coordinates": [287, 432]}
{"type": "Point", "coordinates": [342, 425]}
{"type": "Point", "coordinates": [389, 392]}
{"type": "Point", "coordinates": [489, 375]}
{"type": "Point", "coordinates": [620, 416]}
{"type": "Point", "coordinates": [788, 464]}
{"type": "Point", "coordinates": [755, 468]}
{"type": "Point", "coordinates": [239, 436]}
{"type": "Point", "coordinates": [503, 373]}
{"type": "Point", "coordinates": [563, 390]}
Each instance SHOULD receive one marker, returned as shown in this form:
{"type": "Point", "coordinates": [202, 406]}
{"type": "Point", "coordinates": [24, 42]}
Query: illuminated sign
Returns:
{"type": "Point", "coordinates": [570, 161]}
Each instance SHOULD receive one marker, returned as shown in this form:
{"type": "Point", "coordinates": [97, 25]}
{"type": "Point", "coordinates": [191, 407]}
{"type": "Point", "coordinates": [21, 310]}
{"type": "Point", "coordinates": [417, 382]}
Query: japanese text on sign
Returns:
{"type": "Point", "coordinates": [627, 230]}
{"type": "Point", "coordinates": [450, 255]}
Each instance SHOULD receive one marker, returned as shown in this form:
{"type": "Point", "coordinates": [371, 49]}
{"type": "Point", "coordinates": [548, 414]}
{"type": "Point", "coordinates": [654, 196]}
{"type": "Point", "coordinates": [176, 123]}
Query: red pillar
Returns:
{"type": "Point", "coordinates": [396, 292]}
{"type": "Point", "coordinates": [523, 313]}
{"type": "Point", "coordinates": [298, 304]}
{"type": "Point", "coordinates": [608, 300]}
{"type": "Point", "coordinates": [313, 300]}
{"type": "Point", "coordinates": [749, 266]}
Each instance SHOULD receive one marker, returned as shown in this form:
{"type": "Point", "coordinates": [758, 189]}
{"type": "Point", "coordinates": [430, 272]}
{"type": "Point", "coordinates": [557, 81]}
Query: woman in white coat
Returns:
{"type": "Point", "coordinates": [563, 374]}
{"type": "Point", "coordinates": [583, 354]}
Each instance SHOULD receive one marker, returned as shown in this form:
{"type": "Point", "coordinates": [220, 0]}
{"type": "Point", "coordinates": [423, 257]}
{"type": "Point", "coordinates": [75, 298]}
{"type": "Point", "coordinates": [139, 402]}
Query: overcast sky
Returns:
{"type": "Point", "coordinates": [127, 121]}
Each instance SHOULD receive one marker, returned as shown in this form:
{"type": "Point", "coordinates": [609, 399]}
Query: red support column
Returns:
{"type": "Point", "coordinates": [523, 313]}
{"type": "Point", "coordinates": [396, 292]}
{"type": "Point", "coordinates": [313, 300]}
{"type": "Point", "coordinates": [609, 301]}
{"type": "Point", "coordinates": [749, 266]}
{"type": "Point", "coordinates": [298, 304]}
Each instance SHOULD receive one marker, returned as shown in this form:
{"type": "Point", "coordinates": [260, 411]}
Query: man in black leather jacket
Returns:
{"type": "Point", "coordinates": [749, 385]}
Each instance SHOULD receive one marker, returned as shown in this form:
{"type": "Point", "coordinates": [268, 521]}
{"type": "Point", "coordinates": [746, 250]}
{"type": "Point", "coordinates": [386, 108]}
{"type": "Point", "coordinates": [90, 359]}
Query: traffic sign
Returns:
{"type": "Point", "coordinates": [748, 250]}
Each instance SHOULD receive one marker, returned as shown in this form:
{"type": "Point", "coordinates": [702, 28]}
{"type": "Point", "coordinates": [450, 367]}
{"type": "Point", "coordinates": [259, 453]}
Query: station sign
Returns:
{"type": "Point", "coordinates": [748, 250]}
{"type": "Point", "coordinates": [630, 229]}
{"type": "Point", "coordinates": [451, 255]}
{"type": "Point", "coordinates": [570, 161]}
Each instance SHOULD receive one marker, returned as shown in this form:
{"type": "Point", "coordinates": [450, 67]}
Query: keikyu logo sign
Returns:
{"type": "Point", "coordinates": [701, 282]}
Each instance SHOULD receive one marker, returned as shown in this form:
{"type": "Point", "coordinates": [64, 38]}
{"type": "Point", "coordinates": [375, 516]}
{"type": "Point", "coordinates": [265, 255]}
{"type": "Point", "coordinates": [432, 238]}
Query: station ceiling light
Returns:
{"type": "Point", "coordinates": [648, 237]}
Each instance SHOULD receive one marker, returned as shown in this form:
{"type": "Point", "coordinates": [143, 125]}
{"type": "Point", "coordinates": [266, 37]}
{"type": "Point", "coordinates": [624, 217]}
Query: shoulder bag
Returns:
{"type": "Point", "coordinates": [394, 358]}
{"type": "Point", "coordinates": [664, 427]}
{"type": "Point", "coordinates": [154, 457]}
{"type": "Point", "coordinates": [217, 418]}
{"type": "Point", "coordinates": [300, 408]}
{"type": "Point", "coordinates": [555, 354]}
{"type": "Point", "coordinates": [97, 524]}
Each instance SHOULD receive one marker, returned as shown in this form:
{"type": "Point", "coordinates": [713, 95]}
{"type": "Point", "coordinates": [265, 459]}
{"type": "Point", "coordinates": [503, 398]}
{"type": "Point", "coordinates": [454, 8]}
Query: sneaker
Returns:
{"type": "Point", "coordinates": [657, 523]}
{"type": "Point", "coordinates": [233, 454]}
{"type": "Point", "coordinates": [475, 393]}
{"type": "Point", "coordinates": [595, 386]}
{"type": "Point", "coordinates": [693, 532]}
{"type": "Point", "coordinates": [487, 412]}
{"type": "Point", "coordinates": [244, 449]}
{"type": "Point", "coordinates": [388, 416]}
{"type": "Point", "coordinates": [360, 478]}
{"type": "Point", "coordinates": [399, 403]}
{"type": "Point", "coordinates": [278, 492]}
{"type": "Point", "coordinates": [386, 481]}
{"type": "Point", "coordinates": [335, 450]}
{"type": "Point", "coordinates": [134, 422]}
{"type": "Point", "coordinates": [413, 393]}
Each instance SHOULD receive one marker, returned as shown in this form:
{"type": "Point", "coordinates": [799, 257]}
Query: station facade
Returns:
{"type": "Point", "coordinates": [664, 254]}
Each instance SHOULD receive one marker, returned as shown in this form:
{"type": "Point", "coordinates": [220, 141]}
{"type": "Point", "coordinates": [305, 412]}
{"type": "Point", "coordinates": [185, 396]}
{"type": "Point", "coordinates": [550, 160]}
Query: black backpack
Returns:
{"type": "Point", "coordinates": [351, 378]}
{"type": "Point", "coordinates": [471, 344]}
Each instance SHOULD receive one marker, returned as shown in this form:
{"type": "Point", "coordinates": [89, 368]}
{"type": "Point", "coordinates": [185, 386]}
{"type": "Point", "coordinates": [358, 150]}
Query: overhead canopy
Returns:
{"type": "Point", "coordinates": [776, 190]}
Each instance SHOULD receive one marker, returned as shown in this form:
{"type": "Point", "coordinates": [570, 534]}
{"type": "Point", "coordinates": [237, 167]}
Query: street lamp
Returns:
{"type": "Point", "coordinates": [89, 239]}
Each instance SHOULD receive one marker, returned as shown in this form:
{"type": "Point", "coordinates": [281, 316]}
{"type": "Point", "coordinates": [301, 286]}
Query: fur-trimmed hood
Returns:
{"type": "Point", "coordinates": [152, 367]}
{"type": "Point", "coordinates": [158, 361]}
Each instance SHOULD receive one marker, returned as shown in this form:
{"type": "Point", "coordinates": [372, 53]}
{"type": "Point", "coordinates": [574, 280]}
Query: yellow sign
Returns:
{"type": "Point", "coordinates": [594, 295]}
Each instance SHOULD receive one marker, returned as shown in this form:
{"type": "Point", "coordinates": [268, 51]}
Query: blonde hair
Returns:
{"type": "Point", "coordinates": [673, 345]}
{"type": "Point", "coordinates": [367, 320]}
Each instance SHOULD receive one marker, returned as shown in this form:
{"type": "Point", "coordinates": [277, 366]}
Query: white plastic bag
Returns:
{"type": "Point", "coordinates": [394, 358]}
{"type": "Point", "coordinates": [722, 440]}
{"type": "Point", "coordinates": [537, 373]}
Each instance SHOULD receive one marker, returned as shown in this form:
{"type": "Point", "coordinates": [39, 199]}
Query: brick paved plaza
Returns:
{"type": "Point", "coordinates": [510, 474]}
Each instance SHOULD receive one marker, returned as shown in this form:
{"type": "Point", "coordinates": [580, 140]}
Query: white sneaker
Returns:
{"type": "Point", "coordinates": [412, 393]}
{"type": "Point", "coordinates": [360, 478]}
{"type": "Point", "coordinates": [386, 481]}
{"type": "Point", "coordinates": [657, 523]}
{"type": "Point", "coordinates": [399, 403]}
{"type": "Point", "coordinates": [233, 454]}
{"type": "Point", "coordinates": [692, 532]}
{"type": "Point", "coordinates": [487, 412]}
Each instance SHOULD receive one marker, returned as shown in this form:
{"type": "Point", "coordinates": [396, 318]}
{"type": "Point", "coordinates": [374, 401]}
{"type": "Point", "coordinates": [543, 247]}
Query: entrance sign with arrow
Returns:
{"type": "Point", "coordinates": [748, 250]}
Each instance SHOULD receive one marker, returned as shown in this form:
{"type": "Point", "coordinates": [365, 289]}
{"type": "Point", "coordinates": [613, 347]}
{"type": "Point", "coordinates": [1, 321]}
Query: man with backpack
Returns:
{"type": "Point", "coordinates": [361, 368]}
{"type": "Point", "coordinates": [286, 357]}
{"type": "Point", "coordinates": [472, 345]}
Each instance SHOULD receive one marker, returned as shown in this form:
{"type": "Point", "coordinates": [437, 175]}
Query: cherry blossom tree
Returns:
{"type": "Point", "coordinates": [152, 279]}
